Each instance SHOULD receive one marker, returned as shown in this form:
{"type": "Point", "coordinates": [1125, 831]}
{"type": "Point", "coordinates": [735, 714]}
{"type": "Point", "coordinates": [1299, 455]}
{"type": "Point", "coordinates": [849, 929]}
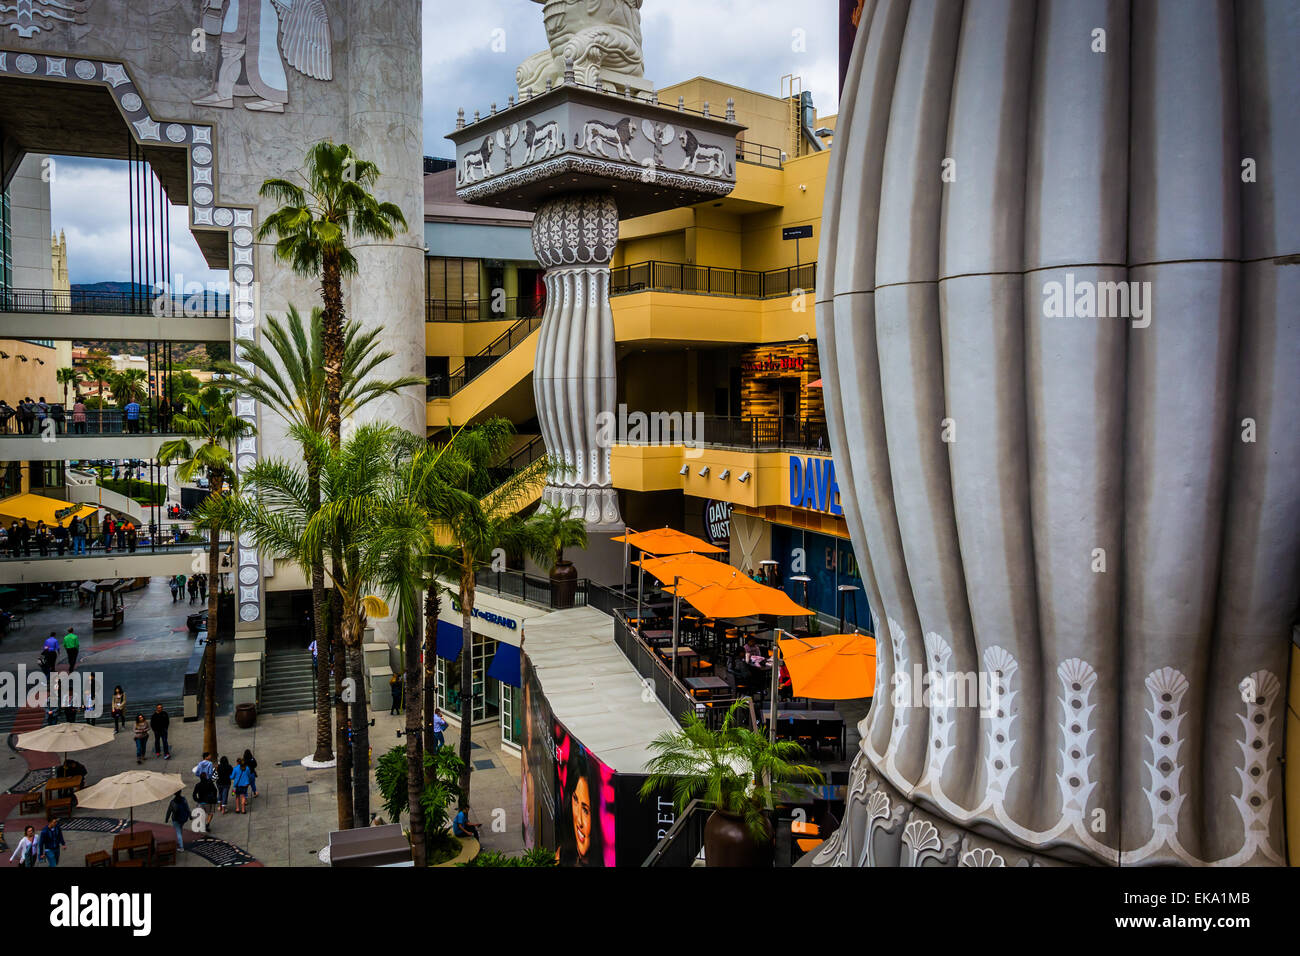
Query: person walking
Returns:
{"type": "Point", "coordinates": [159, 722]}
{"type": "Point", "coordinates": [205, 795]}
{"type": "Point", "coordinates": [174, 587]}
{"type": "Point", "coordinates": [251, 763]}
{"type": "Point", "coordinates": [90, 713]}
{"type": "Point", "coordinates": [203, 588]}
{"type": "Point", "coordinates": [50, 842]}
{"type": "Point", "coordinates": [439, 726]}
{"type": "Point", "coordinates": [72, 647]}
{"type": "Point", "coordinates": [395, 688]}
{"type": "Point", "coordinates": [141, 734]}
{"type": "Point", "coordinates": [70, 704]}
{"type": "Point", "coordinates": [178, 812]}
{"type": "Point", "coordinates": [119, 708]}
{"type": "Point", "coordinates": [241, 777]}
{"type": "Point", "coordinates": [193, 588]}
{"type": "Point", "coordinates": [26, 852]}
{"type": "Point", "coordinates": [224, 773]}
{"type": "Point", "coordinates": [205, 767]}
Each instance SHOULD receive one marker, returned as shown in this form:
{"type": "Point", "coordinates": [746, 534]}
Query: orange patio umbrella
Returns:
{"type": "Point", "coordinates": [668, 541]}
{"type": "Point", "coordinates": [695, 567]}
{"type": "Point", "coordinates": [832, 667]}
{"type": "Point", "coordinates": [736, 597]}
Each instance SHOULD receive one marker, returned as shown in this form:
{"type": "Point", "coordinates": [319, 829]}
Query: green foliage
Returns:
{"type": "Point", "coordinates": [733, 769]}
{"type": "Point", "coordinates": [554, 529]}
{"type": "Point", "coordinates": [314, 223]}
{"type": "Point", "coordinates": [441, 785]}
{"type": "Point", "coordinates": [537, 856]}
{"type": "Point", "coordinates": [146, 492]}
{"type": "Point", "coordinates": [178, 383]}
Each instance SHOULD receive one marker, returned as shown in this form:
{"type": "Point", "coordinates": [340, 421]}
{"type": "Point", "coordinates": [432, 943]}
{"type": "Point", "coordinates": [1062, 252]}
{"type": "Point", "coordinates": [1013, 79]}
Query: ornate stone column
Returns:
{"type": "Point", "coordinates": [573, 375]}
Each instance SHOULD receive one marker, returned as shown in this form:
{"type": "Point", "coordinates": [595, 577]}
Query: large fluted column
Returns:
{"type": "Point", "coordinates": [1060, 346]}
{"type": "Point", "coordinates": [574, 375]}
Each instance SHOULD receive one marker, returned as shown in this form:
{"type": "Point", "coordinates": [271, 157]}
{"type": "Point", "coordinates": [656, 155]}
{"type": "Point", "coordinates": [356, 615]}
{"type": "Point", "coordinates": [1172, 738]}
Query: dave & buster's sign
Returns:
{"type": "Point", "coordinates": [717, 521]}
{"type": "Point", "coordinates": [813, 485]}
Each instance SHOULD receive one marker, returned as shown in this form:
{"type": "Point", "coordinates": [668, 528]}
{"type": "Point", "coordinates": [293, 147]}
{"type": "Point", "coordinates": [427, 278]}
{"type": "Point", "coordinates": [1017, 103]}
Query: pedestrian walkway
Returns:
{"type": "Point", "coordinates": [295, 810]}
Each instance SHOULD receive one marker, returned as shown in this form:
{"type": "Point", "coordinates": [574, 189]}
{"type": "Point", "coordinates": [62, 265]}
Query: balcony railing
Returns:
{"type": "Point", "coordinates": [99, 421]}
{"type": "Point", "coordinates": [140, 302]}
{"type": "Point", "coordinates": [657, 276]}
{"type": "Point", "coordinates": [758, 432]}
{"type": "Point", "coordinates": [483, 310]}
{"type": "Point", "coordinates": [759, 154]}
{"type": "Point", "coordinates": [476, 365]}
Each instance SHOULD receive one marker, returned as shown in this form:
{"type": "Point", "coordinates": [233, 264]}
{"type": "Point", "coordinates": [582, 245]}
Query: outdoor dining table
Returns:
{"type": "Point", "coordinates": [687, 655]}
{"type": "Point", "coordinates": [708, 683]}
{"type": "Point", "coordinates": [832, 718]}
{"type": "Point", "coordinates": [129, 843]}
{"type": "Point", "coordinates": [655, 637]}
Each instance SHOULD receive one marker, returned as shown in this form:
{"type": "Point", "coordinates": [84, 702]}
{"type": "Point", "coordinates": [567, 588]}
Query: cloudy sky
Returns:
{"type": "Point", "coordinates": [471, 50]}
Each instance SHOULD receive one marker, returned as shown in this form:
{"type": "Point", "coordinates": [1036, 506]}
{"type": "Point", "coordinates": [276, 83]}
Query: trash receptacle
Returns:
{"type": "Point", "coordinates": [245, 716]}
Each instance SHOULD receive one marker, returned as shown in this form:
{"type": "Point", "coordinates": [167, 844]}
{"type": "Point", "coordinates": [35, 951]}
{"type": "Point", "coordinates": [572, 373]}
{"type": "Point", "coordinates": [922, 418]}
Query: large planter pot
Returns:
{"type": "Point", "coordinates": [728, 842]}
{"type": "Point", "coordinates": [564, 584]}
{"type": "Point", "coordinates": [245, 716]}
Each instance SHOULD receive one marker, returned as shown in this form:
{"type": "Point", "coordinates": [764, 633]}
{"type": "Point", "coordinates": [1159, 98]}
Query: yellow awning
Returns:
{"type": "Point", "coordinates": [40, 508]}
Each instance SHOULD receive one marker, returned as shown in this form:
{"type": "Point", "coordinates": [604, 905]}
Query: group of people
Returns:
{"type": "Point", "coordinates": [196, 585]}
{"type": "Point", "coordinates": [76, 537]}
{"type": "Point", "coordinates": [47, 845]}
{"type": "Point", "coordinates": [212, 790]}
{"type": "Point", "coordinates": [30, 416]}
{"type": "Point", "coordinates": [159, 722]}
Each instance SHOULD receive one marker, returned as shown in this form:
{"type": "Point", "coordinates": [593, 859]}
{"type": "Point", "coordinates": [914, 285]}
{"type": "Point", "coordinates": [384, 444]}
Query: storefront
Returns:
{"type": "Point", "coordinates": [497, 628]}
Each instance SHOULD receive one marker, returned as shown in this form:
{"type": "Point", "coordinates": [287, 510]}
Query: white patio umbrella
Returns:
{"type": "Point", "coordinates": [130, 789]}
{"type": "Point", "coordinates": [65, 738]}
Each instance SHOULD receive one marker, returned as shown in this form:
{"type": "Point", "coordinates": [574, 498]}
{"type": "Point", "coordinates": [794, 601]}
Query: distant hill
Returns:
{"type": "Point", "coordinates": [184, 354]}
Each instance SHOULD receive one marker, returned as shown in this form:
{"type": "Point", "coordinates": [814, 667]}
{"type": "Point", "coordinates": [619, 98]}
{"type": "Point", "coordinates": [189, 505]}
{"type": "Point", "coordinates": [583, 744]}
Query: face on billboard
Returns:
{"type": "Point", "coordinates": [585, 824]}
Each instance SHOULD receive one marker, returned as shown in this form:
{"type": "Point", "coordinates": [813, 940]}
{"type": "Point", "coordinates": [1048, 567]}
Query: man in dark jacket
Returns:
{"type": "Point", "coordinates": [60, 538]}
{"type": "Point", "coordinates": [159, 722]}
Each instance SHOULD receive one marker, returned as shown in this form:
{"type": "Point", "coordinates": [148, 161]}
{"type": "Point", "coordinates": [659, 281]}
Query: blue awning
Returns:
{"type": "Point", "coordinates": [505, 665]}
{"type": "Point", "coordinates": [450, 640]}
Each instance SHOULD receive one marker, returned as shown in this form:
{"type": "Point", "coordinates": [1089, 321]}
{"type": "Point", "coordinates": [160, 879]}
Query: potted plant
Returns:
{"type": "Point", "coordinates": [736, 771]}
{"type": "Point", "coordinates": [554, 529]}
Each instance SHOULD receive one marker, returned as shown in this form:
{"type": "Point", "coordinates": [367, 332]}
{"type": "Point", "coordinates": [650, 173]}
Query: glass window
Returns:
{"type": "Point", "coordinates": [512, 718]}
{"type": "Point", "coordinates": [487, 690]}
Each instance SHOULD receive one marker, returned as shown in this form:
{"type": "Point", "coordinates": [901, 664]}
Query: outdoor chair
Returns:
{"type": "Point", "coordinates": [58, 807]}
{"type": "Point", "coordinates": [32, 802]}
{"type": "Point", "coordinates": [165, 853]}
{"type": "Point", "coordinates": [99, 858]}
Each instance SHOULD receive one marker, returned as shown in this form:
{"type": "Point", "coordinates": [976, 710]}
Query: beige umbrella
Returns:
{"type": "Point", "coordinates": [65, 738]}
{"type": "Point", "coordinates": [130, 789]}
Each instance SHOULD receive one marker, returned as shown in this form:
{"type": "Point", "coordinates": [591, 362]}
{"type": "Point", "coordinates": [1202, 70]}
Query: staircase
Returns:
{"type": "Point", "coordinates": [288, 687]}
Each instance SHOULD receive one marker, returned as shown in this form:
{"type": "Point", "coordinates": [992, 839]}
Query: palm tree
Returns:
{"type": "Point", "coordinates": [478, 517]}
{"type": "Point", "coordinates": [558, 529]}
{"type": "Point", "coordinates": [212, 428]}
{"type": "Point", "coordinates": [100, 371]}
{"type": "Point", "coordinates": [289, 376]}
{"type": "Point", "coordinates": [312, 228]}
{"type": "Point", "coordinates": [737, 771]}
{"type": "Point", "coordinates": [128, 386]}
{"type": "Point", "coordinates": [67, 376]}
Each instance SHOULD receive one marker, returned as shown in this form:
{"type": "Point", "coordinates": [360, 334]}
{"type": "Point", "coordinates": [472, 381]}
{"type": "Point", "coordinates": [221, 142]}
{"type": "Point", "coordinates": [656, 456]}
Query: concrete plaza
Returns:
{"type": "Point", "coordinates": [290, 820]}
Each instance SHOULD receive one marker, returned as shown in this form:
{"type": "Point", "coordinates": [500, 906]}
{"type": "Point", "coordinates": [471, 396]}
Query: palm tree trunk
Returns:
{"type": "Point", "coordinates": [324, 751]}
{"type": "Point", "coordinates": [432, 608]}
{"type": "Point", "coordinates": [466, 681]}
{"type": "Point", "coordinates": [210, 651]}
{"type": "Point", "coordinates": [353, 627]}
{"type": "Point", "coordinates": [342, 747]}
{"type": "Point", "coordinates": [331, 291]}
{"type": "Point", "coordinates": [414, 750]}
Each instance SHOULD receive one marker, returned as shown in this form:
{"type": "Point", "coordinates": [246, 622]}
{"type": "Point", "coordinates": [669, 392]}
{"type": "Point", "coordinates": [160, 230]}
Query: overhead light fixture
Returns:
{"type": "Point", "coordinates": [704, 472]}
{"type": "Point", "coordinates": [685, 470]}
{"type": "Point", "coordinates": [726, 473]}
{"type": "Point", "coordinates": [744, 477]}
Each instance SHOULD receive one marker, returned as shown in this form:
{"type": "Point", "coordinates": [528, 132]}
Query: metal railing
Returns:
{"type": "Point", "coordinates": [681, 845]}
{"type": "Point", "coordinates": [139, 302]}
{"type": "Point", "coordinates": [760, 432]}
{"type": "Point", "coordinates": [169, 537]}
{"type": "Point", "coordinates": [759, 154]}
{"type": "Point", "coordinates": [476, 365]}
{"type": "Point", "coordinates": [99, 421]}
{"type": "Point", "coordinates": [483, 310]}
{"type": "Point", "coordinates": [659, 276]}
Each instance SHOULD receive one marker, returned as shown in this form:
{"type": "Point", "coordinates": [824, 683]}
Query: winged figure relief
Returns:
{"type": "Point", "coordinates": [258, 37]}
